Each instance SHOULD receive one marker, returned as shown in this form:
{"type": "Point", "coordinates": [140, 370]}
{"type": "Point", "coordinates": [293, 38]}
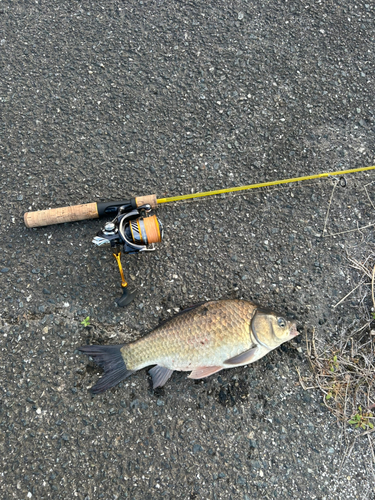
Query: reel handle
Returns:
{"type": "Point", "coordinates": [83, 212]}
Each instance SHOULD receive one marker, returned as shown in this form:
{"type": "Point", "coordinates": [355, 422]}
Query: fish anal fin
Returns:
{"type": "Point", "coordinates": [243, 358]}
{"type": "Point", "coordinates": [204, 371]}
{"type": "Point", "coordinates": [160, 375]}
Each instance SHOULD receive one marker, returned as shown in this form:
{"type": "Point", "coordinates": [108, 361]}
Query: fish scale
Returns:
{"type": "Point", "coordinates": [208, 334]}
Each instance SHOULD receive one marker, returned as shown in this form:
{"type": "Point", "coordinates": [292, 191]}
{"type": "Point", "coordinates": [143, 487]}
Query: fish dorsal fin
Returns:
{"type": "Point", "coordinates": [190, 308]}
{"type": "Point", "coordinates": [160, 375]}
{"type": "Point", "coordinates": [243, 358]}
{"type": "Point", "coordinates": [179, 313]}
{"type": "Point", "coordinates": [204, 371]}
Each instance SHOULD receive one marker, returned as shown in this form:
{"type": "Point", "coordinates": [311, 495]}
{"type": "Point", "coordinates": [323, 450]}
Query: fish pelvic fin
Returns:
{"type": "Point", "coordinates": [160, 375]}
{"type": "Point", "coordinates": [110, 359]}
{"type": "Point", "coordinates": [204, 371]}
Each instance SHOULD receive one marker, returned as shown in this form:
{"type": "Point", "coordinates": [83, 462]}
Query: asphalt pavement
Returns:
{"type": "Point", "coordinates": [109, 100]}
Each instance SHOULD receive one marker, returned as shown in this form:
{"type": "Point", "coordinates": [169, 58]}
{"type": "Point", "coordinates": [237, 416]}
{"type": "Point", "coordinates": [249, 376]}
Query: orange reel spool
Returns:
{"type": "Point", "coordinates": [146, 230]}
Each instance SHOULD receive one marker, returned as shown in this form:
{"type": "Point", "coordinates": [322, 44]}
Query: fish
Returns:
{"type": "Point", "coordinates": [203, 339]}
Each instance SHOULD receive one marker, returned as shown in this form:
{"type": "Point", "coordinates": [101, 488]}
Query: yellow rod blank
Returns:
{"type": "Point", "coordinates": [262, 184]}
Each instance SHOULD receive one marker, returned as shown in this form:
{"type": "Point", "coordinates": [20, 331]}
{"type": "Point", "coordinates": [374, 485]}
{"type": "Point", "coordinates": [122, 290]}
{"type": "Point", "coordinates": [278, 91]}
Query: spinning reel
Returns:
{"type": "Point", "coordinates": [133, 230]}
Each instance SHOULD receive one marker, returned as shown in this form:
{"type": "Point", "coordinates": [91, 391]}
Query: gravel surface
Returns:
{"type": "Point", "coordinates": [102, 101]}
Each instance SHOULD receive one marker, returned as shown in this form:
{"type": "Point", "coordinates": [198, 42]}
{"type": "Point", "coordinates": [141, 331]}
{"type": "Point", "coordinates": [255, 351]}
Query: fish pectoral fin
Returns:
{"type": "Point", "coordinates": [243, 358]}
{"type": "Point", "coordinates": [204, 371]}
{"type": "Point", "coordinates": [160, 375]}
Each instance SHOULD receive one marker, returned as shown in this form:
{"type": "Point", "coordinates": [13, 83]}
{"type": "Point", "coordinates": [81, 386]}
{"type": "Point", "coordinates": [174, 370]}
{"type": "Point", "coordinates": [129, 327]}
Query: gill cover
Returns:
{"type": "Point", "coordinates": [269, 329]}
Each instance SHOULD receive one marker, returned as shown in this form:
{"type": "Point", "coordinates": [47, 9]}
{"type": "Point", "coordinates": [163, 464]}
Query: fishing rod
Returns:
{"type": "Point", "coordinates": [133, 228]}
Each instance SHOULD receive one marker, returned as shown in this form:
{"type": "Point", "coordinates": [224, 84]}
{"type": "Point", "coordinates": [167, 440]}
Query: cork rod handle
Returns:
{"type": "Point", "coordinates": [60, 215]}
{"type": "Point", "coordinates": [147, 200]}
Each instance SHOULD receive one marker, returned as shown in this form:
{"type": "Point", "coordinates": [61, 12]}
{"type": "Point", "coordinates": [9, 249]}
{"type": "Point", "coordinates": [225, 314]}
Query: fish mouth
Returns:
{"type": "Point", "coordinates": [293, 331]}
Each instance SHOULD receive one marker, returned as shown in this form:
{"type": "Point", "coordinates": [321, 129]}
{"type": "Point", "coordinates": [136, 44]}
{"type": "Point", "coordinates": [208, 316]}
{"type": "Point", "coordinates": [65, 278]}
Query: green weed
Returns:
{"type": "Point", "coordinates": [362, 419]}
{"type": "Point", "coordinates": [86, 322]}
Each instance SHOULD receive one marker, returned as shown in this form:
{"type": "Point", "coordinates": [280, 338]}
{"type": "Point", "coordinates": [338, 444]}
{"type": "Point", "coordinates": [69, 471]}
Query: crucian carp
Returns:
{"type": "Point", "coordinates": [202, 340]}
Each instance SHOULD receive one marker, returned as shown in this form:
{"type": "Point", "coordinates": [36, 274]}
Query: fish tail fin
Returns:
{"type": "Point", "coordinates": [110, 359]}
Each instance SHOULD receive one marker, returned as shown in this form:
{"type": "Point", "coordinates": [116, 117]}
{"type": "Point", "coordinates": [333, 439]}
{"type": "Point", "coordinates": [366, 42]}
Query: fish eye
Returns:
{"type": "Point", "coordinates": [281, 322]}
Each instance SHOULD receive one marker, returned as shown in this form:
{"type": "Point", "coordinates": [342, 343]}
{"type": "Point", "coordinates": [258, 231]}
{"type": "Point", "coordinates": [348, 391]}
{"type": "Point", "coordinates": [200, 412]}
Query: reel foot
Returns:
{"type": "Point", "coordinates": [126, 298]}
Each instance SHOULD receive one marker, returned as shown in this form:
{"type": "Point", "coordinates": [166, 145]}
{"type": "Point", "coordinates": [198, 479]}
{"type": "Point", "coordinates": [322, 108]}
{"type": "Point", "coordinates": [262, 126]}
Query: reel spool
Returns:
{"type": "Point", "coordinates": [131, 232]}
{"type": "Point", "coordinates": [141, 231]}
